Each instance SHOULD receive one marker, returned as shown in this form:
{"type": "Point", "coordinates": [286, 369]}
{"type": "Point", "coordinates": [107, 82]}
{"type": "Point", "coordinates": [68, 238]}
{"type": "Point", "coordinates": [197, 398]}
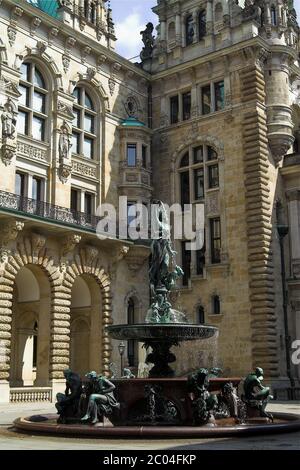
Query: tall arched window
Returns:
{"type": "Point", "coordinates": [273, 15]}
{"type": "Point", "coordinates": [131, 344]}
{"type": "Point", "coordinates": [84, 124]}
{"type": "Point", "coordinates": [90, 10]}
{"type": "Point", "coordinates": [198, 171]}
{"type": "Point", "coordinates": [32, 107]}
{"type": "Point", "coordinates": [202, 24]}
{"type": "Point", "coordinates": [189, 30]}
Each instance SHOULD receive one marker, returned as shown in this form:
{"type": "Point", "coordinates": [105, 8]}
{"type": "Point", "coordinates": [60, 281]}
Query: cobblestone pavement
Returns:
{"type": "Point", "coordinates": [11, 440]}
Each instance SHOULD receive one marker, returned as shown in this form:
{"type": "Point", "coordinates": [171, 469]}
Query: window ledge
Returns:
{"type": "Point", "coordinates": [212, 190]}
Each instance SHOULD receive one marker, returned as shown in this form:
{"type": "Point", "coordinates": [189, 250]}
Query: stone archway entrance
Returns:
{"type": "Point", "coordinates": [86, 325]}
{"type": "Point", "coordinates": [30, 328]}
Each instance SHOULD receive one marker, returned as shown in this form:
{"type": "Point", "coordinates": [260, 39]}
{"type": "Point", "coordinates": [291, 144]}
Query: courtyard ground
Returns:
{"type": "Point", "coordinates": [11, 440]}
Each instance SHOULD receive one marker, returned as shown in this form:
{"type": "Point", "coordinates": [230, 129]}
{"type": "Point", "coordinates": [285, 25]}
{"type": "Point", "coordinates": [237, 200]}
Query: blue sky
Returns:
{"type": "Point", "coordinates": [131, 16]}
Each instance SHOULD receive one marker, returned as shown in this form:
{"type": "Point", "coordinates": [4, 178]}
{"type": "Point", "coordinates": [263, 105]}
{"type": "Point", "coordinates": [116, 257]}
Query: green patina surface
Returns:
{"type": "Point", "coordinates": [48, 6]}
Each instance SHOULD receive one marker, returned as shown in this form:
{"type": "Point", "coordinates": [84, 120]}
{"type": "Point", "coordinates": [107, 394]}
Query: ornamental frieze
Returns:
{"type": "Point", "coordinates": [83, 170]}
{"type": "Point", "coordinates": [30, 151]}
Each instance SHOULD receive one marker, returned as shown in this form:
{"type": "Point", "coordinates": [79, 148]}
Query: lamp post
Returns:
{"type": "Point", "coordinates": [121, 349]}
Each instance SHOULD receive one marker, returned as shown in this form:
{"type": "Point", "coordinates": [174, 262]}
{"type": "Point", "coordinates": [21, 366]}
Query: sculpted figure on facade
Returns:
{"type": "Point", "coordinates": [9, 120]}
{"type": "Point", "coordinates": [65, 143]}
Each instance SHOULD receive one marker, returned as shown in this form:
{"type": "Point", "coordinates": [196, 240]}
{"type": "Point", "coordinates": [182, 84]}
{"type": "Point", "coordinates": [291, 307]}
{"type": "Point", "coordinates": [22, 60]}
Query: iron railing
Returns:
{"type": "Point", "coordinates": [15, 203]}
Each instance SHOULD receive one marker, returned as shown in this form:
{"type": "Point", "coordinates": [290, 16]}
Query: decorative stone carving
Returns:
{"type": "Point", "coordinates": [41, 47]}
{"type": "Point", "coordinates": [31, 152]}
{"type": "Point", "coordinates": [65, 143]}
{"type": "Point", "coordinates": [212, 204]}
{"type": "Point", "coordinates": [65, 110]}
{"type": "Point", "coordinates": [9, 230]}
{"type": "Point", "coordinates": [111, 86]}
{"type": "Point", "coordinates": [164, 120]}
{"type": "Point", "coordinates": [70, 42]}
{"type": "Point", "coordinates": [11, 33]}
{"type": "Point", "coordinates": [34, 24]}
{"type": "Point", "coordinates": [136, 257]}
{"type": "Point", "coordinates": [84, 53]}
{"type": "Point", "coordinates": [53, 33]}
{"type": "Point", "coordinates": [131, 106]}
{"type": "Point", "coordinates": [83, 169]}
{"type": "Point", "coordinates": [69, 243]}
{"type": "Point", "coordinates": [90, 73]}
{"type": "Point", "coordinates": [9, 120]}
{"type": "Point", "coordinates": [65, 62]}
{"type": "Point", "coordinates": [37, 242]}
{"type": "Point", "coordinates": [9, 87]}
{"type": "Point", "coordinates": [90, 253]}
{"type": "Point", "coordinates": [148, 41]}
{"type": "Point", "coordinates": [64, 172]}
{"type": "Point", "coordinates": [7, 153]}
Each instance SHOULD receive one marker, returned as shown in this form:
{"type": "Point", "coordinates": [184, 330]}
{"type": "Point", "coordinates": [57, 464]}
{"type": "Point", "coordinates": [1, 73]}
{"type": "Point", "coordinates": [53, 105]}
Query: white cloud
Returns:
{"type": "Point", "coordinates": [129, 42]}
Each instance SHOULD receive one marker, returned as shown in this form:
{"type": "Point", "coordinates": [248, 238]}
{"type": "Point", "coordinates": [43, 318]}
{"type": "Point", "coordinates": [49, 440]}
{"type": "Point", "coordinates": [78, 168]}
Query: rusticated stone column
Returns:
{"type": "Point", "coordinates": [258, 216]}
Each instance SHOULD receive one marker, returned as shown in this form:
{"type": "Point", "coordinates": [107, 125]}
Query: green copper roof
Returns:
{"type": "Point", "coordinates": [48, 6]}
{"type": "Point", "coordinates": [132, 122]}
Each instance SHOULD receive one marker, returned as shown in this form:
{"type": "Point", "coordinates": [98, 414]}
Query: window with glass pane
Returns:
{"type": "Point", "coordinates": [22, 123]}
{"type": "Point", "coordinates": [38, 128]}
{"type": "Point", "coordinates": [88, 200]}
{"type": "Point", "coordinates": [74, 200]}
{"type": "Point", "coordinates": [199, 183]}
{"type": "Point", "coordinates": [88, 147]}
{"type": "Point", "coordinates": [219, 96]}
{"type": "Point", "coordinates": [185, 160]}
{"type": "Point", "coordinates": [24, 98]}
{"type": "Point", "coordinates": [206, 100]}
{"type": "Point", "coordinates": [186, 106]}
{"type": "Point", "coordinates": [185, 187]}
{"type": "Point", "coordinates": [144, 156]}
{"type": "Point", "coordinates": [131, 154]}
{"type": "Point", "coordinates": [198, 154]}
{"type": "Point", "coordinates": [32, 103]}
{"type": "Point", "coordinates": [273, 16]}
{"type": "Point", "coordinates": [84, 123]}
{"type": "Point", "coordinates": [201, 315]}
{"type": "Point", "coordinates": [200, 261]}
{"type": "Point", "coordinates": [20, 184]}
{"type": "Point", "coordinates": [174, 111]}
{"type": "Point", "coordinates": [75, 142]}
{"type": "Point", "coordinates": [211, 154]}
{"type": "Point", "coordinates": [213, 176]}
{"type": "Point", "coordinates": [216, 305]}
{"type": "Point", "coordinates": [186, 264]}
{"type": "Point", "coordinates": [37, 189]}
{"type": "Point", "coordinates": [189, 30]}
{"type": "Point", "coordinates": [131, 214]}
{"type": "Point", "coordinates": [202, 24]}
{"type": "Point", "coordinates": [215, 237]}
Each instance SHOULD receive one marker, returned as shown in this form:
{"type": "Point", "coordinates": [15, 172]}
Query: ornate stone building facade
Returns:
{"type": "Point", "coordinates": [210, 116]}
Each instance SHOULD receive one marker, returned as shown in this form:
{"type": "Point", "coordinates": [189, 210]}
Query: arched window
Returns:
{"type": "Point", "coordinates": [90, 11]}
{"type": "Point", "coordinates": [202, 24]}
{"type": "Point", "coordinates": [131, 344]}
{"type": "Point", "coordinates": [198, 171]}
{"type": "Point", "coordinates": [84, 124]}
{"type": "Point", "coordinates": [171, 32]}
{"type": "Point", "coordinates": [32, 107]}
{"type": "Point", "coordinates": [200, 315]}
{"type": "Point", "coordinates": [218, 12]}
{"type": "Point", "coordinates": [216, 305]}
{"type": "Point", "coordinates": [273, 15]}
{"type": "Point", "coordinates": [189, 30]}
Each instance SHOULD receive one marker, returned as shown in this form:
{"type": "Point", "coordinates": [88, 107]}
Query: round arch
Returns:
{"type": "Point", "coordinates": [47, 65]}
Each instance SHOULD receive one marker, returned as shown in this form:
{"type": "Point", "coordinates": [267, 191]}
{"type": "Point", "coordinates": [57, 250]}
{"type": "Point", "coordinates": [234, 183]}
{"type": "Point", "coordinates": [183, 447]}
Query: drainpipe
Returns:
{"type": "Point", "coordinates": [283, 230]}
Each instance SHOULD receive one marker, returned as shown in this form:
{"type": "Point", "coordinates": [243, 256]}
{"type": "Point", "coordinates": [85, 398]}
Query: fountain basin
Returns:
{"type": "Point", "coordinates": [171, 332]}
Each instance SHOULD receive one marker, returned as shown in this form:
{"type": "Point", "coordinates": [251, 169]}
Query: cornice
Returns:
{"type": "Point", "coordinates": [81, 40]}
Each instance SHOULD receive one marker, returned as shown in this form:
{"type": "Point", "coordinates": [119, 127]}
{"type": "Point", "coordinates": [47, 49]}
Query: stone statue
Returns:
{"type": "Point", "coordinates": [9, 120]}
{"type": "Point", "coordinates": [64, 143]}
{"type": "Point", "coordinates": [256, 396]}
{"type": "Point", "coordinates": [101, 400]}
{"type": "Point", "coordinates": [163, 271]}
{"type": "Point", "coordinates": [67, 404]}
{"type": "Point", "coordinates": [148, 40]}
{"type": "Point", "coordinates": [204, 403]}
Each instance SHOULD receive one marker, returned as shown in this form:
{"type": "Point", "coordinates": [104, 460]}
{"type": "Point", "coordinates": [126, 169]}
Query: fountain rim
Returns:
{"type": "Point", "coordinates": [143, 331]}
